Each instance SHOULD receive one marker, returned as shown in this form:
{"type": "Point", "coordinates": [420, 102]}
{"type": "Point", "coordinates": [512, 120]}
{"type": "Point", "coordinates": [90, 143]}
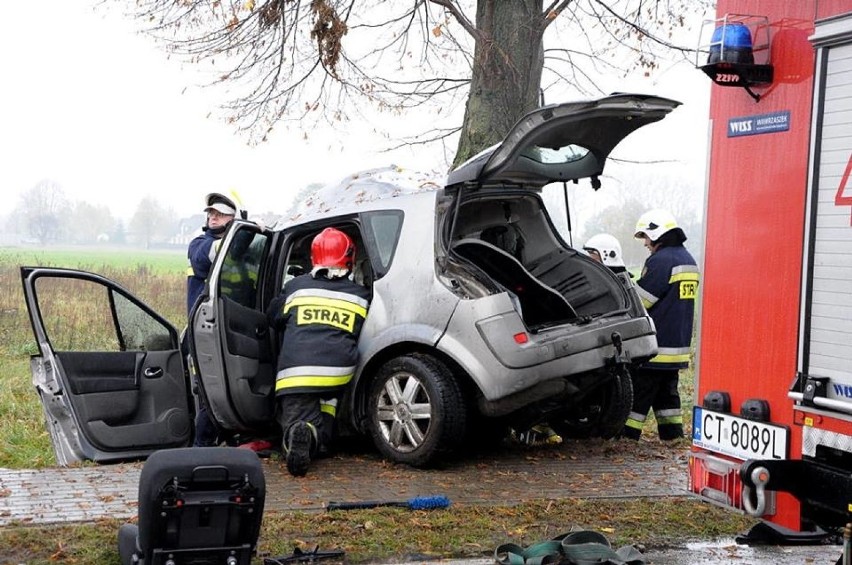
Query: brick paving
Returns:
{"type": "Point", "coordinates": [506, 475]}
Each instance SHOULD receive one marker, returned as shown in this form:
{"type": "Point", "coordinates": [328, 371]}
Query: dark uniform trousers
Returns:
{"type": "Point", "coordinates": [657, 389]}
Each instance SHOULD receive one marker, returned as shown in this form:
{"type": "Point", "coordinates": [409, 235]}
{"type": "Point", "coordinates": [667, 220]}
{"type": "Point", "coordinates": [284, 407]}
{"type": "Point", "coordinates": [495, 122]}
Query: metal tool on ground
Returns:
{"type": "Point", "coordinates": [416, 503]}
{"type": "Point", "coordinates": [301, 556]}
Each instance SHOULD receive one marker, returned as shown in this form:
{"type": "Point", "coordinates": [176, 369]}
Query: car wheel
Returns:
{"type": "Point", "coordinates": [417, 410]}
{"type": "Point", "coordinates": [603, 411]}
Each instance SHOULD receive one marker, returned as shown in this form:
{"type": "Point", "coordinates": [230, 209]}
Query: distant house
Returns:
{"type": "Point", "coordinates": [187, 229]}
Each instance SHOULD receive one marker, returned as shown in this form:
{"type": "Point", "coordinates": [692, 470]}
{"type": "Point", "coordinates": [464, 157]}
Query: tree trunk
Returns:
{"type": "Point", "coordinates": [508, 62]}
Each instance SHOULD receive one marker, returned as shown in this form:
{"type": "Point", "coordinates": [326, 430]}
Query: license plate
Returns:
{"type": "Point", "coordinates": [738, 437]}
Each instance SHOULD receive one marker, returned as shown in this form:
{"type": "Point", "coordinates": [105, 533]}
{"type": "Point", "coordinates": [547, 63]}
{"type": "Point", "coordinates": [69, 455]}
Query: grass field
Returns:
{"type": "Point", "coordinates": [157, 278]}
{"type": "Point", "coordinates": [395, 535]}
{"type": "Point", "coordinates": [96, 259]}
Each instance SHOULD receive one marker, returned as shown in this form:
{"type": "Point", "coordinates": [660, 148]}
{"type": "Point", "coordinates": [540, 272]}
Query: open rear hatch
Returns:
{"type": "Point", "coordinates": [561, 142]}
{"type": "Point", "coordinates": [500, 225]}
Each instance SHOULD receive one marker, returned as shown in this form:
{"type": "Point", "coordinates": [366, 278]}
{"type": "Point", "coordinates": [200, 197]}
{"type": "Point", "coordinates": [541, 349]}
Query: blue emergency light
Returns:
{"type": "Point", "coordinates": [731, 43]}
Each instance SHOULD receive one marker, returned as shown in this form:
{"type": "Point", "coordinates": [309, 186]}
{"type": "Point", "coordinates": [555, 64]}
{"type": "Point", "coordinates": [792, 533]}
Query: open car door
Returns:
{"type": "Point", "coordinates": [109, 372]}
{"type": "Point", "coordinates": [231, 342]}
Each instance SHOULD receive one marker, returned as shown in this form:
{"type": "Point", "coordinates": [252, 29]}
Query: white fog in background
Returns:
{"type": "Point", "coordinates": [97, 109]}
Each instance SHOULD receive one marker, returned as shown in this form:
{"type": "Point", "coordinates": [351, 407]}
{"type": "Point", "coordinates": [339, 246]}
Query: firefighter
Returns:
{"type": "Point", "coordinates": [220, 211]}
{"type": "Point", "coordinates": [606, 249]}
{"type": "Point", "coordinates": [319, 316]}
{"type": "Point", "coordinates": [668, 288]}
{"type": "Point", "coordinates": [236, 280]}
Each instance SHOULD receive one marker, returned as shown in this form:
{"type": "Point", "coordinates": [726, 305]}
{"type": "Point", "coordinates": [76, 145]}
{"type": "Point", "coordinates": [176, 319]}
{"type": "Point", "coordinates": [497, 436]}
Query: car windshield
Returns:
{"type": "Point", "coordinates": [547, 155]}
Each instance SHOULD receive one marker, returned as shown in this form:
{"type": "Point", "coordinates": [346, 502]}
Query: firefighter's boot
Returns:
{"type": "Point", "coordinates": [538, 435]}
{"type": "Point", "coordinates": [298, 445]}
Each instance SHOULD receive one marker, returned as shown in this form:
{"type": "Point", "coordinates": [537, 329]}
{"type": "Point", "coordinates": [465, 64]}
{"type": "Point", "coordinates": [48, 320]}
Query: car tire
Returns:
{"type": "Point", "coordinates": [603, 412]}
{"type": "Point", "coordinates": [416, 410]}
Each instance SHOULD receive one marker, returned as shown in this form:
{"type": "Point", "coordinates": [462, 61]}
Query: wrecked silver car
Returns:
{"type": "Point", "coordinates": [482, 317]}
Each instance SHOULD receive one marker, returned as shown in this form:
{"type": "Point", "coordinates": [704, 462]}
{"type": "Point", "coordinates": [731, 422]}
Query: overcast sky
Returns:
{"type": "Point", "coordinates": [96, 107]}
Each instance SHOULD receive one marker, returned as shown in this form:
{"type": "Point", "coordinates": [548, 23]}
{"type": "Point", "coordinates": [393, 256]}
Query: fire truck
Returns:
{"type": "Point", "coordinates": [772, 421]}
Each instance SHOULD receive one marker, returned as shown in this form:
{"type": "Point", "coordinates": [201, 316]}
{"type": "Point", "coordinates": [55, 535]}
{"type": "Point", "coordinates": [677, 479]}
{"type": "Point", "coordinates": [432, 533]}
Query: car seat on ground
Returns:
{"type": "Point", "coordinates": [196, 505]}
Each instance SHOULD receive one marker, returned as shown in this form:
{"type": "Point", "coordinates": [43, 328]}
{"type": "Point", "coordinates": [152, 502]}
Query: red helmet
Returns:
{"type": "Point", "coordinates": [332, 248]}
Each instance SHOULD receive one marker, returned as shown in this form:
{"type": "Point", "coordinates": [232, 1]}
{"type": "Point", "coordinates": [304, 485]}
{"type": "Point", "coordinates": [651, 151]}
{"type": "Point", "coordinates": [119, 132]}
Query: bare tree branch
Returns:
{"type": "Point", "coordinates": [451, 7]}
{"type": "Point", "coordinates": [304, 62]}
{"type": "Point", "coordinates": [552, 12]}
{"type": "Point", "coordinates": [642, 30]}
{"type": "Point", "coordinates": [432, 137]}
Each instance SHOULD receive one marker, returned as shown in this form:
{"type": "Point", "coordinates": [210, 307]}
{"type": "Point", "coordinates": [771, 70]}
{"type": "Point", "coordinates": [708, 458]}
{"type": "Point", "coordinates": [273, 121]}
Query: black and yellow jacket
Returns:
{"type": "Point", "coordinates": [319, 321]}
{"type": "Point", "coordinates": [668, 288]}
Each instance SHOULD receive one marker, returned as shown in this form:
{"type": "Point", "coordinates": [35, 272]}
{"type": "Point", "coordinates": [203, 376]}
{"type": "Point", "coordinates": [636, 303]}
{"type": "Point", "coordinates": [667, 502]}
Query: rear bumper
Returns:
{"type": "Point", "coordinates": [565, 341]}
{"type": "Point", "coordinates": [481, 338]}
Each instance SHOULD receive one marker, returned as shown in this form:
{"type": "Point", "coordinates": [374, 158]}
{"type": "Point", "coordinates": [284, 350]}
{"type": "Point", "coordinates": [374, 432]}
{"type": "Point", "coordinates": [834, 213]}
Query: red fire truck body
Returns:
{"type": "Point", "coordinates": [772, 426]}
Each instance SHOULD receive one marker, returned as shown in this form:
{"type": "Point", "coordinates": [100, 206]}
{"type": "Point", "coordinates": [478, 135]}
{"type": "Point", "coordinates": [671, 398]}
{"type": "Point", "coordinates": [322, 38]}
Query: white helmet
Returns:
{"type": "Point", "coordinates": [655, 223]}
{"type": "Point", "coordinates": [228, 205]}
{"type": "Point", "coordinates": [220, 203]}
{"type": "Point", "coordinates": [607, 247]}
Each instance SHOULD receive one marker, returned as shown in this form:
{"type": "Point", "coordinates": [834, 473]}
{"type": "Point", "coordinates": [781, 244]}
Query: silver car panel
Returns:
{"type": "Point", "coordinates": [497, 333]}
{"type": "Point", "coordinates": [410, 304]}
{"type": "Point", "coordinates": [480, 339]}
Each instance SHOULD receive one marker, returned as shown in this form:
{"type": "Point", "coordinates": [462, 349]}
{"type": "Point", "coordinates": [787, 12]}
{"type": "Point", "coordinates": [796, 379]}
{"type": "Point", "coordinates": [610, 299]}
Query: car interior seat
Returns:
{"type": "Point", "coordinates": [198, 505]}
{"type": "Point", "coordinates": [506, 237]}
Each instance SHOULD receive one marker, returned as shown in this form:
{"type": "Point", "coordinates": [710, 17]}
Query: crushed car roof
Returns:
{"type": "Point", "coordinates": [365, 186]}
